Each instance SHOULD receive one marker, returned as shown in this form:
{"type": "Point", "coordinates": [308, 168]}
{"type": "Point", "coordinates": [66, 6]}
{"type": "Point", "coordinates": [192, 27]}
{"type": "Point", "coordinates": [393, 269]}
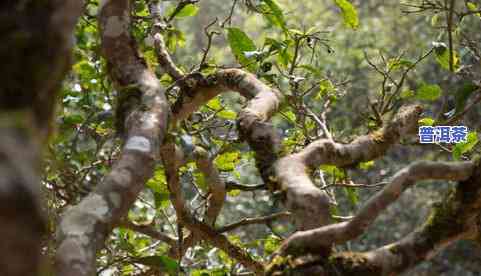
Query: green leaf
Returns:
{"type": "Point", "coordinates": [85, 70]}
{"type": "Point", "coordinates": [326, 87]}
{"type": "Point", "coordinates": [291, 116]}
{"type": "Point", "coordinates": [473, 7]}
{"type": "Point", "coordinates": [234, 193]}
{"type": "Point", "coordinates": [397, 64]}
{"type": "Point", "coordinates": [187, 11]}
{"type": "Point", "coordinates": [463, 94]}
{"type": "Point", "coordinates": [366, 165]}
{"type": "Point", "coordinates": [273, 13]}
{"type": "Point", "coordinates": [227, 161]}
{"type": "Point", "coordinates": [349, 13]}
{"type": "Point", "coordinates": [434, 20]}
{"type": "Point", "coordinates": [441, 52]}
{"type": "Point", "coordinates": [271, 244]}
{"type": "Point", "coordinates": [200, 181]}
{"type": "Point", "coordinates": [210, 272]}
{"type": "Point", "coordinates": [426, 121]}
{"type": "Point", "coordinates": [465, 147]}
{"type": "Point", "coordinates": [334, 171]}
{"type": "Point", "coordinates": [215, 104]}
{"type": "Point", "coordinates": [352, 195]}
{"type": "Point", "coordinates": [73, 119]}
{"type": "Point", "coordinates": [158, 185]}
{"type": "Point", "coordinates": [174, 38]}
{"type": "Point", "coordinates": [428, 92]}
{"type": "Point", "coordinates": [163, 262]}
{"type": "Point", "coordinates": [240, 43]}
{"type": "Point", "coordinates": [227, 114]}
{"type": "Point", "coordinates": [407, 94]}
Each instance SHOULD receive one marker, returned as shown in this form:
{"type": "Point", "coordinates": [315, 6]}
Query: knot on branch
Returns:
{"type": "Point", "coordinates": [127, 100]}
{"type": "Point", "coordinates": [263, 141]}
{"type": "Point", "coordinates": [405, 123]}
{"type": "Point", "coordinates": [191, 82]}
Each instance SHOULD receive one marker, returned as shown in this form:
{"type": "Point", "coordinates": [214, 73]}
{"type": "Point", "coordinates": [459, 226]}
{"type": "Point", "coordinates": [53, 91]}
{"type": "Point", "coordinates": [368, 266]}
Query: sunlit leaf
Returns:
{"type": "Point", "coordinates": [227, 161]}
{"type": "Point", "coordinates": [426, 121]}
{"type": "Point", "coordinates": [366, 165]}
{"type": "Point", "coordinates": [163, 262]}
{"type": "Point", "coordinates": [273, 13]}
{"type": "Point", "coordinates": [407, 94]}
{"type": "Point", "coordinates": [465, 147]}
{"type": "Point", "coordinates": [352, 195]}
{"type": "Point", "coordinates": [473, 7]}
{"type": "Point", "coordinates": [215, 104]}
{"type": "Point", "coordinates": [234, 193]}
{"type": "Point", "coordinates": [240, 43]}
{"type": "Point", "coordinates": [397, 64]}
{"type": "Point", "coordinates": [187, 11]}
{"type": "Point", "coordinates": [441, 52]}
{"type": "Point", "coordinates": [227, 114]}
{"type": "Point", "coordinates": [428, 92]}
{"type": "Point", "coordinates": [271, 243]}
{"type": "Point", "coordinates": [349, 13]}
{"type": "Point", "coordinates": [333, 171]}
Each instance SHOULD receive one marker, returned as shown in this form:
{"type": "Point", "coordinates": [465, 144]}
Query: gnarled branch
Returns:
{"type": "Point", "coordinates": [309, 204]}
{"type": "Point", "coordinates": [199, 229]}
{"type": "Point", "coordinates": [454, 218]}
{"type": "Point", "coordinates": [84, 227]}
{"type": "Point", "coordinates": [341, 232]}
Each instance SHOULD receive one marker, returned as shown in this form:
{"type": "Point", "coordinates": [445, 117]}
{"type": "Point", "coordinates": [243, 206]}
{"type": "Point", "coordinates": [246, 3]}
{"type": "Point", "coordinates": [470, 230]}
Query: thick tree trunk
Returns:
{"type": "Point", "coordinates": [36, 41]}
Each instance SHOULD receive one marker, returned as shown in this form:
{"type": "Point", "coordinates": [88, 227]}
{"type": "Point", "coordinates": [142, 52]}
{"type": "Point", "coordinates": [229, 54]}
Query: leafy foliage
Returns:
{"type": "Point", "coordinates": [324, 77]}
{"type": "Point", "coordinates": [241, 45]}
{"type": "Point", "coordinates": [349, 13]}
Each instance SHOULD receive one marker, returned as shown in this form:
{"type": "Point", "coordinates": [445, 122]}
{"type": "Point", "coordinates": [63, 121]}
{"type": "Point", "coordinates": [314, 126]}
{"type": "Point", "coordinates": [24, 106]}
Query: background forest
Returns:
{"type": "Point", "coordinates": [345, 68]}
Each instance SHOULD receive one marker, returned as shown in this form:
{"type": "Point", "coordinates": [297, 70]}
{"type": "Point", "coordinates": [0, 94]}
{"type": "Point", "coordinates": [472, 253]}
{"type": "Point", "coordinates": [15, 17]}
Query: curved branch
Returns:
{"type": "Point", "coordinates": [253, 124]}
{"type": "Point", "coordinates": [217, 187]}
{"type": "Point", "coordinates": [289, 174]}
{"type": "Point", "coordinates": [163, 56]}
{"type": "Point", "coordinates": [84, 227]}
{"type": "Point", "coordinates": [456, 217]}
{"type": "Point", "coordinates": [309, 204]}
{"type": "Point", "coordinates": [232, 185]}
{"type": "Point", "coordinates": [199, 229]}
{"type": "Point", "coordinates": [150, 231]}
{"type": "Point", "coordinates": [341, 232]}
{"type": "Point", "coordinates": [249, 221]}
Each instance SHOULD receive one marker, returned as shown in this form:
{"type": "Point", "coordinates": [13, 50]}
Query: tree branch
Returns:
{"type": "Point", "coordinates": [84, 227]}
{"type": "Point", "coordinates": [150, 231]}
{"type": "Point", "coordinates": [199, 229]}
{"type": "Point", "coordinates": [217, 187]}
{"type": "Point", "coordinates": [345, 231]}
{"type": "Point", "coordinates": [249, 221]}
{"type": "Point", "coordinates": [309, 204]}
{"type": "Point", "coordinates": [454, 218]}
{"type": "Point", "coordinates": [163, 56]}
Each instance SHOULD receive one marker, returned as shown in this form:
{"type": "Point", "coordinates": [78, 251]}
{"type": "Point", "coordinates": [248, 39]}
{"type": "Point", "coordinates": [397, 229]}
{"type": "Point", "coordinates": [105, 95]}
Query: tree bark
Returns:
{"type": "Point", "coordinates": [35, 54]}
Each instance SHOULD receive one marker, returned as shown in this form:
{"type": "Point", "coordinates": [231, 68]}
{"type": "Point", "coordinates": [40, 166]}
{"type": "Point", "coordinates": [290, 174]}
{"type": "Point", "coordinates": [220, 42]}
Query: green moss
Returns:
{"type": "Point", "coordinates": [351, 263]}
{"type": "Point", "coordinates": [290, 266]}
{"type": "Point", "coordinates": [443, 219]}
